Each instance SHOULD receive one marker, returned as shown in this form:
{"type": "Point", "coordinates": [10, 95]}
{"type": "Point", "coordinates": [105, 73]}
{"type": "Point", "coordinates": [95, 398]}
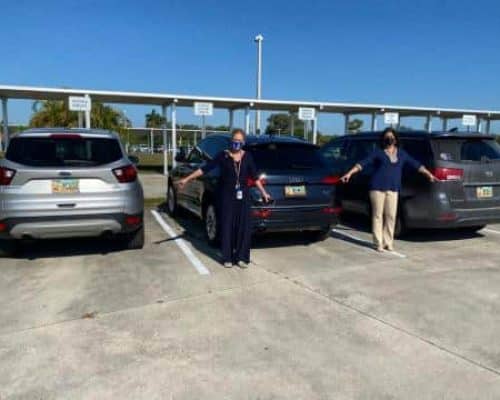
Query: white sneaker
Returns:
{"type": "Point", "coordinates": [242, 264]}
{"type": "Point", "coordinates": [228, 265]}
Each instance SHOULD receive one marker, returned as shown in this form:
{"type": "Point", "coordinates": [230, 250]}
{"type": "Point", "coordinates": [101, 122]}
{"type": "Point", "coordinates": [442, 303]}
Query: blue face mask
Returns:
{"type": "Point", "coordinates": [236, 145]}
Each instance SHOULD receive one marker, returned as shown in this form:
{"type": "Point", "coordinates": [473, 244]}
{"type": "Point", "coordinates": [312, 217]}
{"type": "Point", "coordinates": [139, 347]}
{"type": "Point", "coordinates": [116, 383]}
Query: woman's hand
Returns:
{"type": "Point", "coordinates": [346, 178]}
{"type": "Point", "coordinates": [266, 197]}
{"type": "Point", "coordinates": [182, 182]}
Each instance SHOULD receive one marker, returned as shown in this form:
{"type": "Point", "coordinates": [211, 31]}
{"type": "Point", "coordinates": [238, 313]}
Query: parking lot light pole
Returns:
{"type": "Point", "coordinates": [258, 39]}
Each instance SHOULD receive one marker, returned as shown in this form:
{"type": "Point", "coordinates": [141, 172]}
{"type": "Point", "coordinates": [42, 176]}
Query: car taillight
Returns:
{"type": "Point", "coordinates": [253, 182]}
{"type": "Point", "coordinates": [6, 176]}
{"type": "Point", "coordinates": [264, 213]}
{"type": "Point", "coordinates": [125, 174]}
{"type": "Point", "coordinates": [449, 174]}
{"type": "Point", "coordinates": [330, 180]}
{"type": "Point", "coordinates": [332, 210]}
{"type": "Point", "coordinates": [133, 220]}
{"type": "Point", "coordinates": [3, 227]}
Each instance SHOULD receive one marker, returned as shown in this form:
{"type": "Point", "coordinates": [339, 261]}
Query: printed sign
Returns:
{"type": "Point", "coordinates": [78, 103]}
{"type": "Point", "coordinates": [307, 113]}
{"type": "Point", "coordinates": [203, 109]}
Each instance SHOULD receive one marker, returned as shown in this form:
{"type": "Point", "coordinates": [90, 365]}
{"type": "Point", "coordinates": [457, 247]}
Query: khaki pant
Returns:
{"type": "Point", "coordinates": [384, 209]}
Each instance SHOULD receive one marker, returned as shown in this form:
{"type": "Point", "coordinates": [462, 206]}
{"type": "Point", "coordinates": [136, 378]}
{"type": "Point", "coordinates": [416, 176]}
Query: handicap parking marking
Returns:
{"type": "Point", "coordinates": [193, 259]}
{"type": "Point", "coordinates": [367, 245]}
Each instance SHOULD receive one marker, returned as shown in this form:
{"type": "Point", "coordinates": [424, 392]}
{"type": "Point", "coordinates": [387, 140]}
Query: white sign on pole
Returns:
{"type": "Point", "coordinates": [391, 118]}
{"type": "Point", "coordinates": [307, 113]}
{"type": "Point", "coordinates": [469, 120]}
{"type": "Point", "coordinates": [77, 103]}
{"type": "Point", "coordinates": [203, 109]}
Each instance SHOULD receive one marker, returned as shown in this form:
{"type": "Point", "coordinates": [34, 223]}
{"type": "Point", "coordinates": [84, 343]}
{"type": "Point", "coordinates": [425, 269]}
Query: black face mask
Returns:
{"type": "Point", "coordinates": [389, 141]}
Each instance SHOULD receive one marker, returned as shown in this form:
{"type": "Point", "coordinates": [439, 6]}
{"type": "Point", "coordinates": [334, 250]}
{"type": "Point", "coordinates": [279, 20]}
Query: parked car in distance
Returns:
{"type": "Point", "coordinates": [294, 173]}
{"type": "Point", "coordinates": [467, 165]}
{"type": "Point", "coordinates": [63, 183]}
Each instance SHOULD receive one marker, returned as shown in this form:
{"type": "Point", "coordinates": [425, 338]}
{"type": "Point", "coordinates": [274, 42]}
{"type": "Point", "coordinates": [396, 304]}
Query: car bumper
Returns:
{"type": "Point", "coordinates": [69, 226]}
{"type": "Point", "coordinates": [459, 218]}
{"type": "Point", "coordinates": [293, 219]}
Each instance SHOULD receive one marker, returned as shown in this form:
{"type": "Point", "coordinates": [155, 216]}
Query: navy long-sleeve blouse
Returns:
{"type": "Point", "coordinates": [387, 174]}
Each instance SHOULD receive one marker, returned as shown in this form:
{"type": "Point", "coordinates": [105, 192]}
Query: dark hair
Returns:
{"type": "Point", "coordinates": [384, 132]}
{"type": "Point", "coordinates": [240, 131]}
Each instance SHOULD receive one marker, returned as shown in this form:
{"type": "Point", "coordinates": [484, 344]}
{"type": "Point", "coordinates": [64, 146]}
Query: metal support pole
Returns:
{"type": "Point", "coordinates": [428, 123]}
{"type": "Point", "coordinates": [5, 125]}
{"type": "Point", "coordinates": [165, 151]}
{"type": "Point", "coordinates": [258, 39]}
{"type": "Point", "coordinates": [87, 115]}
{"type": "Point", "coordinates": [315, 129]}
{"type": "Point", "coordinates": [374, 122]}
{"type": "Point", "coordinates": [247, 120]}
{"type": "Point", "coordinates": [292, 123]}
{"type": "Point", "coordinates": [445, 124]}
{"type": "Point", "coordinates": [203, 129]}
{"type": "Point", "coordinates": [346, 123]}
{"type": "Point", "coordinates": [173, 118]}
{"type": "Point", "coordinates": [80, 119]}
{"type": "Point", "coordinates": [488, 126]}
{"type": "Point", "coordinates": [478, 125]}
{"type": "Point", "coordinates": [231, 120]}
{"type": "Point", "coordinates": [152, 141]}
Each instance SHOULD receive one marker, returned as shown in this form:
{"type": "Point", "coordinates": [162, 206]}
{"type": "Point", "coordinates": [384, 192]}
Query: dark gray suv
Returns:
{"type": "Point", "coordinates": [466, 164]}
{"type": "Point", "coordinates": [293, 171]}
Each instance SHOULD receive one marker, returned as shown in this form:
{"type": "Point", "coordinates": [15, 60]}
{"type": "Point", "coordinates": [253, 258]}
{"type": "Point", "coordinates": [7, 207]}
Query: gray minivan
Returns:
{"type": "Point", "coordinates": [466, 164]}
{"type": "Point", "coordinates": [63, 183]}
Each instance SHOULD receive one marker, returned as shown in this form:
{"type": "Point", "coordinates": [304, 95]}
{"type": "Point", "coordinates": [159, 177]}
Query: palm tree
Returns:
{"type": "Point", "coordinates": [154, 120]}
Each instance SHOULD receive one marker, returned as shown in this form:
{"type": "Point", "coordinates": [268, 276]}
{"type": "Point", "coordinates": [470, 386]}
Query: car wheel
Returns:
{"type": "Point", "coordinates": [211, 228]}
{"type": "Point", "coordinates": [172, 207]}
{"type": "Point", "coordinates": [135, 240]}
{"type": "Point", "coordinates": [8, 248]}
{"type": "Point", "coordinates": [322, 234]}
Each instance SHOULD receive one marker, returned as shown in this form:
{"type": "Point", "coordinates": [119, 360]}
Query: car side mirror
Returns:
{"type": "Point", "coordinates": [134, 159]}
{"type": "Point", "coordinates": [181, 157]}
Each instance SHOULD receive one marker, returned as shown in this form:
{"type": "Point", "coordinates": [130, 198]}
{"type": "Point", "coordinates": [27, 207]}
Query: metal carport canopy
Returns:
{"type": "Point", "coordinates": [234, 103]}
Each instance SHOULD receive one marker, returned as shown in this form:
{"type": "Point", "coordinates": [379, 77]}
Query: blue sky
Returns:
{"type": "Point", "coordinates": [441, 53]}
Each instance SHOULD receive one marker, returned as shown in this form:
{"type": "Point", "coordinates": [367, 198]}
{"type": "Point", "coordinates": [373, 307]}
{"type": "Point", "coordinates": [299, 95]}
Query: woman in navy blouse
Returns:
{"type": "Point", "coordinates": [233, 199]}
{"type": "Point", "coordinates": [385, 185]}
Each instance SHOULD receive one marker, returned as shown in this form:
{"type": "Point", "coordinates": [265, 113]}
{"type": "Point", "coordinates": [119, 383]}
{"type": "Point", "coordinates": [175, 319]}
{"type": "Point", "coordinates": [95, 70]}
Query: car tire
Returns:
{"type": "Point", "coordinates": [322, 234]}
{"type": "Point", "coordinates": [135, 240]}
{"type": "Point", "coordinates": [172, 207]}
{"type": "Point", "coordinates": [8, 248]}
{"type": "Point", "coordinates": [211, 225]}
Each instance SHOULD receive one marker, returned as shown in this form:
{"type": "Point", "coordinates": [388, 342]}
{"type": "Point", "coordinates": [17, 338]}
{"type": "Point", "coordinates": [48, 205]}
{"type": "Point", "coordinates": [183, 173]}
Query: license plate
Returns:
{"type": "Point", "coordinates": [64, 186]}
{"type": "Point", "coordinates": [295, 191]}
{"type": "Point", "coordinates": [484, 192]}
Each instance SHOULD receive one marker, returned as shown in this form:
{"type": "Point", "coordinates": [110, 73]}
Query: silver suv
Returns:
{"type": "Point", "coordinates": [62, 183]}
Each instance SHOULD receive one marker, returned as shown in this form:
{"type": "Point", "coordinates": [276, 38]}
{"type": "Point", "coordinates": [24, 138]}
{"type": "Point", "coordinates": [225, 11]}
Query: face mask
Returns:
{"type": "Point", "coordinates": [236, 145]}
{"type": "Point", "coordinates": [389, 141]}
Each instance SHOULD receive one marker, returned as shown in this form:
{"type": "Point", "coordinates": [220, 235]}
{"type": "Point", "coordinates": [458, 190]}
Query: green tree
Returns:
{"type": "Point", "coordinates": [279, 123]}
{"type": "Point", "coordinates": [55, 113]}
{"type": "Point", "coordinates": [155, 120]}
{"type": "Point", "coordinates": [355, 125]}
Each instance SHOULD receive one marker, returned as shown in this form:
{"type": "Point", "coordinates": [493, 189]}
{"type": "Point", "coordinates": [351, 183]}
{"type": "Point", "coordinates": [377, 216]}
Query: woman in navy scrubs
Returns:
{"type": "Point", "coordinates": [385, 185]}
{"type": "Point", "coordinates": [233, 199]}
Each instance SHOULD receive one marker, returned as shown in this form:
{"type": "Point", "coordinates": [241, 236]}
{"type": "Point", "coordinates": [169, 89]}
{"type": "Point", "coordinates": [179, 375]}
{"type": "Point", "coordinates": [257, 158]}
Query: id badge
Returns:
{"type": "Point", "coordinates": [239, 194]}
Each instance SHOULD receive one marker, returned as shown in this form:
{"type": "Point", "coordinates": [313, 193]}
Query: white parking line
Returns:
{"type": "Point", "coordinates": [200, 267]}
{"type": "Point", "coordinates": [366, 242]}
{"type": "Point", "coordinates": [491, 231]}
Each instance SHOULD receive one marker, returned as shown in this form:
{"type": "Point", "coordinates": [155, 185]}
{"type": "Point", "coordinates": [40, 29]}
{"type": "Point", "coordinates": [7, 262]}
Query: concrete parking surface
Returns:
{"type": "Point", "coordinates": [329, 320]}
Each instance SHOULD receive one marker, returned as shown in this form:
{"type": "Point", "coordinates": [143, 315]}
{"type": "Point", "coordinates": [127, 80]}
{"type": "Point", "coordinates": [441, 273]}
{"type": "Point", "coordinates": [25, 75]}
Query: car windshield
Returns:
{"type": "Point", "coordinates": [63, 152]}
{"type": "Point", "coordinates": [273, 156]}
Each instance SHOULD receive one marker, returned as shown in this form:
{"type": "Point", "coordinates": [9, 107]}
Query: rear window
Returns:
{"type": "Point", "coordinates": [468, 150]}
{"type": "Point", "coordinates": [419, 149]}
{"type": "Point", "coordinates": [63, 152]}
{"type": "Point", "coordinates": [286, 156]}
